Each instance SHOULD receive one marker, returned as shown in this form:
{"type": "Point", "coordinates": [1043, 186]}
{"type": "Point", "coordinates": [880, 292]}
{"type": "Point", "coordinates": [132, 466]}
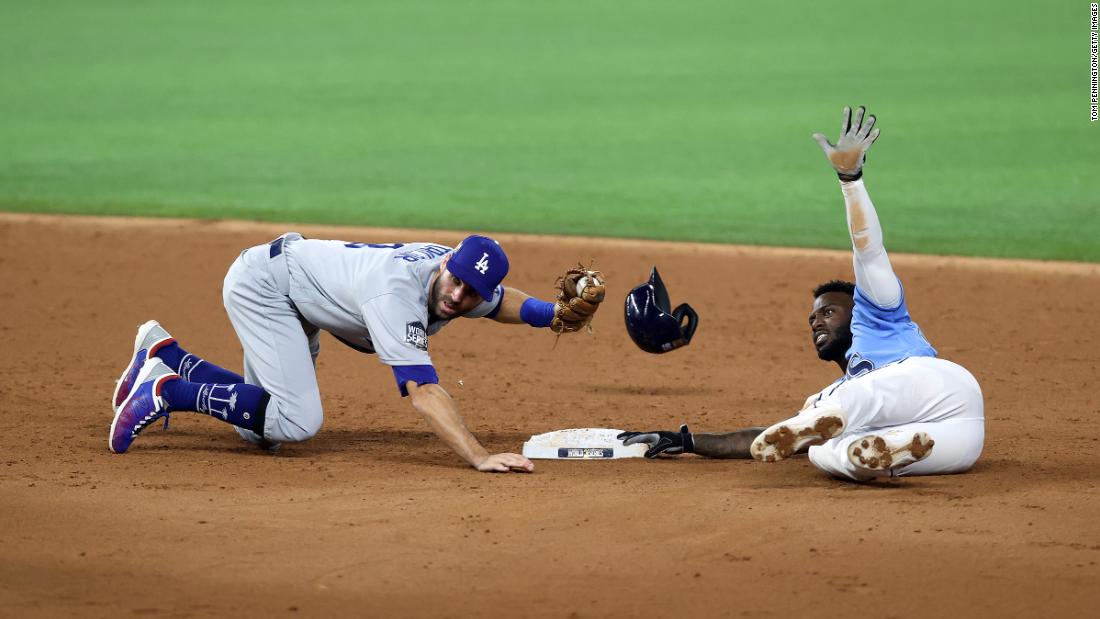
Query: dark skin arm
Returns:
{"type": "Point", "coordinates": [727, 445]}
{"type": "Point", "coordinates": [673, 443]}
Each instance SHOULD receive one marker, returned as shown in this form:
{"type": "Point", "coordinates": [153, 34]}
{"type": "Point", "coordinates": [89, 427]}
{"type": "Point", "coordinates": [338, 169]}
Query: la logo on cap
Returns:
{"type": "Point", "coordinates": [480, 262]}
{"type": "Point", "coordinates": [483, 264]}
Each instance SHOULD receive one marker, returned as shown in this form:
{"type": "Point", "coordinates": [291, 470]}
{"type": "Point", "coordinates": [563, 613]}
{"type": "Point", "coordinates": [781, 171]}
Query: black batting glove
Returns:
{"type": "Point", "coordinates": [661, 441]}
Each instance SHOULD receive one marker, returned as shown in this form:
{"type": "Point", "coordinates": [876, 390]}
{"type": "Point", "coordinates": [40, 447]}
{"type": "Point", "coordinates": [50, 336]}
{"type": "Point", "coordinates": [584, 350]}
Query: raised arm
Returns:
{"type": "Point", "coordinates": [874, 274]}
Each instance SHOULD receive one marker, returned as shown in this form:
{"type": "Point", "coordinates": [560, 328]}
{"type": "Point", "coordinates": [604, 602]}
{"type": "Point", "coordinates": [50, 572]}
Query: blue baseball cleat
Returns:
{"type": "Point", "coordinates": [142, 406]}
{"type": "Point", "coordinates": [150, 338]}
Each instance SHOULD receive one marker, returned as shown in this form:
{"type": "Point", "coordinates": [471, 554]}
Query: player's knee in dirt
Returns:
{"type": "Point", "coordinates": [303, 431]}
{"type": "Point", "coordinates": [292, 424]}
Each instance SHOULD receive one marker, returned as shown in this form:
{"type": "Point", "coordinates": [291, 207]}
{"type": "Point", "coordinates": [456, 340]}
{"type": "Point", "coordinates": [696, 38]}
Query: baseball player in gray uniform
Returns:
{"type": "Point", "coordinates": [897, 409]}
{"type": "Point", "coordinates": [385, 299]}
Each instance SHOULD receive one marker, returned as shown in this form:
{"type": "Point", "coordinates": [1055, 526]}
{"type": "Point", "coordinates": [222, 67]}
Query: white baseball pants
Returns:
{"type": "Point", "coordinates": [920, 394]}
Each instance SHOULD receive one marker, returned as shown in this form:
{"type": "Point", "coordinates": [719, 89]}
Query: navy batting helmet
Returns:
{"type": "Point", "coordinates": [651, 323]}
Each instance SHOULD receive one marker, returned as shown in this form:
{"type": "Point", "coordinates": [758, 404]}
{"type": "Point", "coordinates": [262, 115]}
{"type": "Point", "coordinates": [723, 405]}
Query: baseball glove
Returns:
{"type": "Point", "coordinates": [580, 292]}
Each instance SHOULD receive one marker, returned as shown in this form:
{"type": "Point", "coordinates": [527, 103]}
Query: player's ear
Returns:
{"type": "Point", "coordinates": [443, 265]}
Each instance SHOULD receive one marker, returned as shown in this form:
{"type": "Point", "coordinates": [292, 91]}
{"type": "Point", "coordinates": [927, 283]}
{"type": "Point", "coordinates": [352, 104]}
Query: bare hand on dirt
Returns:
{"type": "Point", "coordinates": [502, 463]}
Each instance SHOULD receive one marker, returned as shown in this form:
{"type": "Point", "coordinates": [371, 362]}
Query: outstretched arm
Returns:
{"type": "Point", "coordinates": [580, 292]}
{"type": "Point", "coordinates": [726, 445]}
{"type": "Point", "coordinates": [874, 274]}
{"type": "Point", "coordinates": [510, 306]}
{"type": "Point", "coordinates": [437, 407]}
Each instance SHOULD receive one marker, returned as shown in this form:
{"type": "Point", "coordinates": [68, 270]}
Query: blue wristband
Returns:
{"type": "Point", "coordinates": [536, 313]}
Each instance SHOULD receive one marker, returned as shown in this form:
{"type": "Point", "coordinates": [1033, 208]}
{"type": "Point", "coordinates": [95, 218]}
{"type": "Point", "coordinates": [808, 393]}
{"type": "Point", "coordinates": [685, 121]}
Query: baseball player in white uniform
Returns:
{"type": "Point", "coordinates": [897, 409]}
{"type": "Point", "coordinates": [385, 299]}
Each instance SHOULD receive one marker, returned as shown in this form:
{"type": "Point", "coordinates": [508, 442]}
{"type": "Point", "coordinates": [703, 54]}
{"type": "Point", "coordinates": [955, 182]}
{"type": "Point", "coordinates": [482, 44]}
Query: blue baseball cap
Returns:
{"type": "Point", "coordinates": [480, 262]}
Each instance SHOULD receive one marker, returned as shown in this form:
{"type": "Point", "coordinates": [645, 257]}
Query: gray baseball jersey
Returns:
{"type": "Point", "coordinates": [374, 297]}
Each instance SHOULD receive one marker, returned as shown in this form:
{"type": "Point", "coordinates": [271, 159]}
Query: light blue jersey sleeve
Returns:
{"type": "Point", "coordinates": [883, 335]}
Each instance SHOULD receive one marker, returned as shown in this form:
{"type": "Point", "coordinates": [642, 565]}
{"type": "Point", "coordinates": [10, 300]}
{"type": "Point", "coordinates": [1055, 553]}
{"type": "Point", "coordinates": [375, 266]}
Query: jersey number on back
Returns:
{"type": "Point", "coordinates": [374, 245]}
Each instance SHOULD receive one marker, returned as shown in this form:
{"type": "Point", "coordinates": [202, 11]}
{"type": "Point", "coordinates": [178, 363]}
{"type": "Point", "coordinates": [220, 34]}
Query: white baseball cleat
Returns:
{"type": "Point", "coordinates": [786, 438]}
{"type": "Point", "coordinates": [890, 450]}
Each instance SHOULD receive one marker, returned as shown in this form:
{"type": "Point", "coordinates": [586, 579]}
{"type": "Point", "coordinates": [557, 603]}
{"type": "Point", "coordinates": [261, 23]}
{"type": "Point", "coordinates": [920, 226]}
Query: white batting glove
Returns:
{"type": "Point", "coordinates": [851, 147]}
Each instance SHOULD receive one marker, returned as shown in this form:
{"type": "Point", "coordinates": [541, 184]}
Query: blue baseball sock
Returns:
{"type": "Point", "coordinates": [240, 404]}
{"type": "Point", "coordinates": [193, 368]}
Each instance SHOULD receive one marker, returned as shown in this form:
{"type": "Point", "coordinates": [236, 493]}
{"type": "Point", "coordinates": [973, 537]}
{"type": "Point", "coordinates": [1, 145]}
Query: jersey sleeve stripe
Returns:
{"type": "Point", "coordinates": [420, 374]}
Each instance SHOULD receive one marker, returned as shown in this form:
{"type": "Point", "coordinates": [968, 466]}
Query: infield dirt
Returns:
{"type": "Point", "coordinates": [375, 517]}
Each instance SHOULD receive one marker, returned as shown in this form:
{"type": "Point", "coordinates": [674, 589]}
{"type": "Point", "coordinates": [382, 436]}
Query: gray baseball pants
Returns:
{"type": "Point", "coordinates": [280, 349]}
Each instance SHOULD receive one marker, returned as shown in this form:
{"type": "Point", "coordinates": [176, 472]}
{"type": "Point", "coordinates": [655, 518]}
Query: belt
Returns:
{"type": "Point", "coordinates": [276, 247]}
{"type": "Point", "coordinates": [277, 260]}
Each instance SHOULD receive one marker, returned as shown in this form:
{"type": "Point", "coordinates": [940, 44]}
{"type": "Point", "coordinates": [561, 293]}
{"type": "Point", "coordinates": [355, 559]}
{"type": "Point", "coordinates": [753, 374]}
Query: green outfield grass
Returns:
{"type": "Point", "coordinates": [683, 119]}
